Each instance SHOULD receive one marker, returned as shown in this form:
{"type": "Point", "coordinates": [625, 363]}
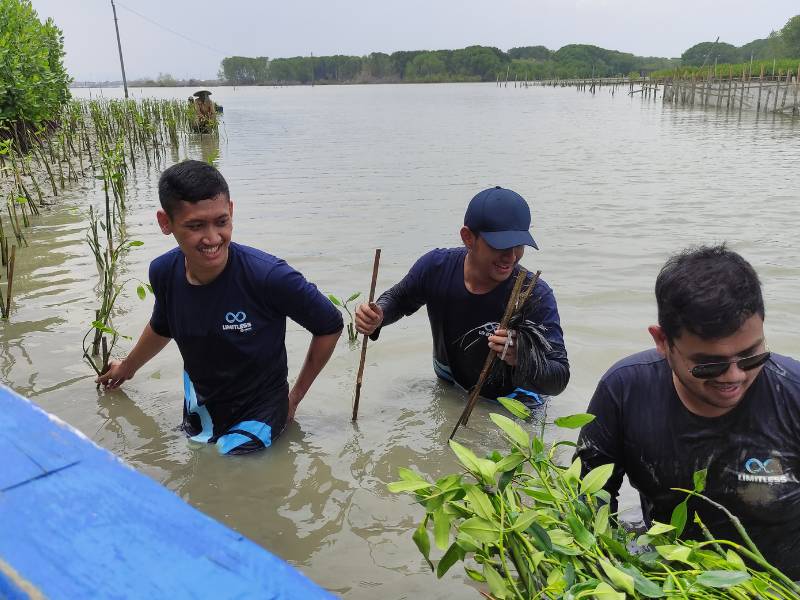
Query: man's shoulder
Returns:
{"type": "Point", "coordinates": [642, 366]}
{"type": "Point", "coordinates": [253, 260]}
{"type": "Point", "coordinates": [442, 256]}
{"type": "Point", "coordinates": [166, 261]}
{"type": "Point", "coordinates": [785, 369]}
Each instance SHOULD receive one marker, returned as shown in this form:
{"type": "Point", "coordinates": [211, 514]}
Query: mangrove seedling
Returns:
{"type": "Point", "coordinates": [352, 334]}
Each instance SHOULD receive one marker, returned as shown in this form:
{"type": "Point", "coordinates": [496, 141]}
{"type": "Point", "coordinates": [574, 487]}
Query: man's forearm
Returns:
{"type": "Point", "coordinates": [319, 352]}
{"type": "Point", "coordinates": [147, 346]}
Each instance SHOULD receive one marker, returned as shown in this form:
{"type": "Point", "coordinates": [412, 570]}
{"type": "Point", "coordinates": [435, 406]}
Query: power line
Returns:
{"type": "Point", "coordinates": [172, 31]}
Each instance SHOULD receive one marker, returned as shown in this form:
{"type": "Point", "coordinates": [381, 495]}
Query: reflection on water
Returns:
{"type": "Point", "coordinates": [323, 176]}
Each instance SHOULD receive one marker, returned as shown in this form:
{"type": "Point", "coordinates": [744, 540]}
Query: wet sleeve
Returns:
{"type": "Point", "coordinates": [406, 297]}
{"type": "Point", "coordinates": [300, 300]}
{"type": "Point", "coordinates": [158, 320]}
{"type": "Point", "coordinates": [600, 442]}
{"type": "Point", "coordinates": [554, 376]}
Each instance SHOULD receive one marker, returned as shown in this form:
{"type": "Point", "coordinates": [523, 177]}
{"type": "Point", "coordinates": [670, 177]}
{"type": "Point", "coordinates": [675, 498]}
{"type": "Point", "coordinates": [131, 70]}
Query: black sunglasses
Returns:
{"type": "Point", "coordinates": [712, 370]}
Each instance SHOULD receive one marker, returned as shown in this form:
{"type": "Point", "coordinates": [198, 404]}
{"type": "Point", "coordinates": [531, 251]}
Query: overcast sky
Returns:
{"type": "Point", "coordinates": [299, 27]}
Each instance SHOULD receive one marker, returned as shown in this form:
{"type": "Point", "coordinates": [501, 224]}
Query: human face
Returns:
{"type": "Point", "coordinates": [487, 265]}
{"type": "Point", "coordinates": [716, 396]}
{"type": "Point", "coordinates": [203, 232]}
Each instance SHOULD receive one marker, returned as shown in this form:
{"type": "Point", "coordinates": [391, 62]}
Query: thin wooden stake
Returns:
{"type": "Point", "coordinates": [10, 281]}
{"type": "Point", "coordinates": [360, 376]}
{"type": "Point", "coordinates": [512, 304]}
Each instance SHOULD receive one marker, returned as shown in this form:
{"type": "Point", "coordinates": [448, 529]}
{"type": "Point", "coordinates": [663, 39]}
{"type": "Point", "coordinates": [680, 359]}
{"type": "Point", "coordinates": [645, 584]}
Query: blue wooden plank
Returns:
{"type": "Point", "coordinates": [17, 466]}
{"type": "Point", "coordinates": [94, 527]}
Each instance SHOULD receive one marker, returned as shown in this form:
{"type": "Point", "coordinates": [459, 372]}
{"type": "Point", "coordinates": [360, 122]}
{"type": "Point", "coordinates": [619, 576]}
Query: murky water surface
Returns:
{"type": "Point", "coordinates": [323, 176]}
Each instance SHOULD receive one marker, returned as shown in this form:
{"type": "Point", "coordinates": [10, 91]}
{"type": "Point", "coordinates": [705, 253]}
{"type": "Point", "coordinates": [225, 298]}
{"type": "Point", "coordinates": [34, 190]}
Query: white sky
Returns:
{"type": "Point", "coordinates": [358, 27]}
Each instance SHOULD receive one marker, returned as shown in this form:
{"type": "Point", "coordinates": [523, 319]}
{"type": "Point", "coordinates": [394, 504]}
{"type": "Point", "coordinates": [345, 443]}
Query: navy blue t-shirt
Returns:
{"type": "Point", "coordinates": [231, 335]}
{"type": "Point", "coordinates": [461, 322]}
{"type": "Point", "coordinates": [752, 453]}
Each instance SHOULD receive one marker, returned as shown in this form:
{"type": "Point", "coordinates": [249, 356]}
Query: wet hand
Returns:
{"type": "Point", "coordinates": [505, 345]}
{"type": "Point", "coordinates": [369, 317]}
{"type": "Point", "coordinates": [294, 400]}
{"type": "Point", "coordinates": [117, 373]}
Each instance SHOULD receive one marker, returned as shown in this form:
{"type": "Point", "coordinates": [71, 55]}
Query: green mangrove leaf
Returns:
{"type": "Point", "coordinates": [567, 550]}
{"type": "Point", "coordinates": [335, 300]}
{"type": "Point", "coordinates": [678, 518]}
{"type": "Point", "coordinates": [603, 495]}
{"type": "Point", "coordinates": [596, 478]}
{"type": "Point", "coordinates": [601, 519]}
{"type": "Point", "coordinates": [673, 552]}
{"type": "Point", "coordinates": [407, 474]}
{"type": "Point", "coordinates": [475, 575]}
{"type": "Point", "coordinates": [524, 520]}
{"type": "Point", "coordinates": [560, 537]}
{"type": "Point", "coordinates": [538, 447]}
{"type": "Point", "coordinates": [466, 457]}
{"type": "Point", "coordinates": [642, 584]}
{"type": "Point", "coordinates": [423, 542]}
{"type": "Point", "coordinates": [616, 547]}
{"type": "Point", "coordinates": [722, 579]}
{"type": "Point", "coordinates": [573, 473]}
{"type": "Point", "coordinates": [513, 431]}
{"type": "Point", "coordinates": [510, 462]}
{"type": "Point", "coordinates": [397, 487]}
{"type": "Point", "coordinates": [735, 560]}
{"type": "Point", "coordinates": [700, 478]}
{"type": "Point", "coordinates": [574, 421]}
{"type": "Point", "coordinates": [441, 529]}
{"type": "Point", "coordinates": [135, 243]}
{"type": "Point", "coordinates": [487, 470]}
{"type": "Point", "coordinates": [582, 510]}
{"type": "Point", "coordinates": [582, 535]}
{"type": "Point", "coordinates": [141, 292]}
{"type": "Point", "coordinates": [515, 407]}
{"type": "Point", "coordinates": [452, 556]}
{"type": "Point", "coordinates": [539, 494]}
{"type": "Point", "coordinates": [353, 297]}
{"type": "Point", "coordinates": [603, 591]}
{"type": "Point", "coordinates": [659, 528]}
{"type": "Point", "coordinates": [541, 539]}
{"type": "Point", "coordinates": [479, 502]}
{"type": "Point", "coordinates": [448, 482]}
{"type": "Point", "coordinates": [497, 584]}
{"type": "Point", "coordinates": [619, 578]}
{"type": "Point", "coordinates": [466, 542]}
{"type": "Point", "coordinates": [481, 529]}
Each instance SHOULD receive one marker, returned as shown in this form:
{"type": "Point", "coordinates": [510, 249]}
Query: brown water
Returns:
{"type": "Point", "coordinates": [323, 176]}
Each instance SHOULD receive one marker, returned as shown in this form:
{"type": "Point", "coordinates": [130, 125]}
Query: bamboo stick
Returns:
{"type": "Point", "coordinates": [360, 376]}
{"type": "Point", "coordinates": [11, 260]}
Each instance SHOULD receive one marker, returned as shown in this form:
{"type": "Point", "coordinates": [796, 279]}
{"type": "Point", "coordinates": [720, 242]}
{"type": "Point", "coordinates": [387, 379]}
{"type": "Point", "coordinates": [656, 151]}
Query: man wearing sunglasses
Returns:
{"type": "Point", "coordinates": [709, 396]}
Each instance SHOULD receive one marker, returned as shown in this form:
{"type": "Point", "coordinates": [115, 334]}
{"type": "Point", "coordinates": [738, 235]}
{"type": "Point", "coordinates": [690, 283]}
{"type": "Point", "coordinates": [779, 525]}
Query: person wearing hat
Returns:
{"type": "Point", "coordinates": [466, 291]}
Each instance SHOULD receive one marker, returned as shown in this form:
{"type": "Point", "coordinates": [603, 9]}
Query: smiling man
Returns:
{"type": "Point", "coordinates": [226, 305]}
{"type": "Point", "coordinates": [709, 396]}
{"type": "Point", "coordinates": [466, 290]}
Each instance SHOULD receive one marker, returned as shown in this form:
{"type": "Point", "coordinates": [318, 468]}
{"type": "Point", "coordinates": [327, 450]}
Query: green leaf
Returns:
{"type": "Point", "coordinates": [335, 300]}
{"type": "Point", "coordinates": [603, 591]}
{"type": "Point", "coordinates": [479, 502]}
{"type": "Point", "coordinates": [497, 584]}
{"type": "Point", "coordinates": [582, 535]}
{"type": "Point", "coordinates": [678, 518]}
{"type": "Point", "coordinates": [524, 520]}
{"type": "Point", "coordinates": [21, 200]}
{"type": "Point", "coordinates": [619, 578]}
{"type": "Point", "coordinates": [409, 474]}
{"type": "Point", "coordinates": [452, 556]}
{"type": "Point", "coordinates": [642, 584]}
{"type": "Point", "coordinates": [735, 560]}
{"type": "Point", "coordinates": [700, 480]}
{"type": "Point", "coordinates": [596, 478]}
{"type": "Point", "coordinates": [353, 297]}
{"type": "Point", "coordinates": [515, 407]}
{"type": "Point", "coordinates": [397, 487]}
{"type": "Point", "coordinates": [467, 543]}
{"type": "Point", "coordinates": [423, 542]}
{"type": "Point", "coordinates": [514, 432]}
{"type": "Point", "coordinates": [141, 292]}
{"type": "Point", "coordinates": [541, 539]}
{"type": "Point", "coordinates": [150, 288]}
{"type": "Point", "coordinates": [574, 421]}
{"type": "Point", "coordinates": [510, 462]}
{"type": "Point", "coordinates": [481, 529]}
{"type": "Point", "coordinates": [722, 579]}
{"type": "Point", "coordinates": [659, 528]}
{"type": "Point", "coordinates": [441, 528]}
{"type": "Point", "coordinates": [601, 519]}
{"type": "Point", "coordinates": [573, 474]}
{"type": "Point", "coordinates": [673, 552]}
{"type": "Point", "coordinates": [466, 457]}
{"type": "Point", "coordinates": [135, 243]}
{"type": "Point", "coordinates": [487, 470]}
{"type": "Point", "coordinates": [474, 575]}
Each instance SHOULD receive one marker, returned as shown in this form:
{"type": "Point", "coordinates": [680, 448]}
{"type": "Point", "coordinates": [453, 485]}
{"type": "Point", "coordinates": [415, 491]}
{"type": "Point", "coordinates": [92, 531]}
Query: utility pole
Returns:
{"type": "Point", "coordinates": [119, 46]}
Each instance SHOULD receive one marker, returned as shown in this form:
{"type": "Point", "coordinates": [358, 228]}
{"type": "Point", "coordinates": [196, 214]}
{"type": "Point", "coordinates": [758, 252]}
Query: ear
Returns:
{"type": "Point", "coordinates": [230, 205]}
{"type": "Point", "coordinates": [660, 338]}
{"type": "Point", "coordinates": [164, 222]}
{"type": "Point", "coordinates": [468, 237]}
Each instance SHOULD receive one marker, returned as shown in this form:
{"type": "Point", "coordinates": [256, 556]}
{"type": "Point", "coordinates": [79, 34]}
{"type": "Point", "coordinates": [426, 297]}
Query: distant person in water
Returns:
{"type": "Point", "coordinates": [226, 305]}
{"type": "Point", "coordinates": [709, 396]}
{"type": "Point", "coordinates": [204, 109]}
{"type": "Point", "coordinates": [466, 291]}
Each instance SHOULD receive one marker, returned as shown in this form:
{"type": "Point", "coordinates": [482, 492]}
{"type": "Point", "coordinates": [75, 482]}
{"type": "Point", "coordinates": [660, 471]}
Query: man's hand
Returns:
{"type": "Point", "coordinates": [500, 342]}
{"type": "Point", "coordinates": [369, 317]}
{"type": "Point", "coordinates": [294, 400]}
{"type": "Point", "coordinates": [118, 372]}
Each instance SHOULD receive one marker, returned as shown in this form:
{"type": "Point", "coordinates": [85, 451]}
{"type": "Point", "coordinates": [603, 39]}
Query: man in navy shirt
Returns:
{"type": "Point", "coordinates": [225, 305]}
{"type": "Point", "coordinates": [710, 396]}
{"type": "Point", "coordinates": [466, 291]}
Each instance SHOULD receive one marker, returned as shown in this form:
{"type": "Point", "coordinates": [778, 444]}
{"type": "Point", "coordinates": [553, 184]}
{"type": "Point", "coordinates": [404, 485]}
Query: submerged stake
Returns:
{"type": "Point", "coordinates": [366, 337]}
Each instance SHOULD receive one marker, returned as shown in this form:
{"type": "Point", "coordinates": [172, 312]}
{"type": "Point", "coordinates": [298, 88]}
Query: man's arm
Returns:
{"type": "Point", "coordinates": [319, 352]}
{"type": "Point", "coordinates": [147, 346]}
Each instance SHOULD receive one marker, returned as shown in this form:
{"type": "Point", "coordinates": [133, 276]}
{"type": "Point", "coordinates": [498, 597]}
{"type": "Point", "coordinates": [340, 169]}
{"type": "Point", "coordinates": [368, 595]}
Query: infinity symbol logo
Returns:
{"type": "Point", "coordinates": [755, 466]}
{"type": "Point", "coordinates": [238, 317]}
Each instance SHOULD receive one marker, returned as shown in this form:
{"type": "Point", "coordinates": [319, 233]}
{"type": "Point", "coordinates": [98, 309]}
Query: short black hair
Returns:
{"type": "Point", "coordinates": [190, 181]}
{"type": "Point", "coordinates": [709, 291]}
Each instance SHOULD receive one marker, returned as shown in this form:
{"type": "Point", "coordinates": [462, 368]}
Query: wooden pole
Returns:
{"type": "Point", "coordinates": [360, 376]}
{"type": "Point", "coordinates": [119, 47]}
{"type": "Point", "coordinates": [487, 365]}
{"type": "Point", "coordinates": [10, 280]}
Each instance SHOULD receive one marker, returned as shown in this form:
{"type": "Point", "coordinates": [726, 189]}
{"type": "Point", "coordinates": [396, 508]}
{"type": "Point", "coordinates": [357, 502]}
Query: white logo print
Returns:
{"type": "Point", "coordinates": [237, 321]}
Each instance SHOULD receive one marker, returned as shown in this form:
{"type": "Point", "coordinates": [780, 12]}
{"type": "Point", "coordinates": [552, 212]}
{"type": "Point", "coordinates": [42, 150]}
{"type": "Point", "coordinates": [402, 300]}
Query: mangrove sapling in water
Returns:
{"type": "Point", "coordinates": [352, 334]}
{"type": "Point", "coordinates": [528, 527]}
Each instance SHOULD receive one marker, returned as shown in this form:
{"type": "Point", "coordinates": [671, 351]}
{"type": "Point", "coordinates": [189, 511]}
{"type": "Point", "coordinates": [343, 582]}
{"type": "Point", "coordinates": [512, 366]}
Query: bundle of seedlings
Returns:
{"type": "Point", "coordinates": [526, 527]}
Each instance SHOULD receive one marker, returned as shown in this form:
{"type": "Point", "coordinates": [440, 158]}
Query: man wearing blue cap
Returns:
{"type": "Point", "coordinates": [466, 290]}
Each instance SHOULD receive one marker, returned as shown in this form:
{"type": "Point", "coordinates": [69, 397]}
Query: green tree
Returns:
{"type": "Point", "coordinates": [790, 35]}
{"type": "Point", "coordinates": [708, 52]}
{"type": "Point", "coordinates": [531, 53]}
{"type": "Point", "coordinates": [242, 70]}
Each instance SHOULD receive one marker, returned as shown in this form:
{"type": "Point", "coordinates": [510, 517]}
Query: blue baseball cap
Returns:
{"type": "Point", "coordinates": [501, 217]}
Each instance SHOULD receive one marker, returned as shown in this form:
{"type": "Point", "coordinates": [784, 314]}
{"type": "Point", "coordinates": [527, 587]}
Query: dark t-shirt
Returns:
{"type": "Point", "coordinates": [752, 453]}
{"type": "Point", "coordinates": [461, 321]}
{"type": "Point", "coordinates": [231, 333]}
